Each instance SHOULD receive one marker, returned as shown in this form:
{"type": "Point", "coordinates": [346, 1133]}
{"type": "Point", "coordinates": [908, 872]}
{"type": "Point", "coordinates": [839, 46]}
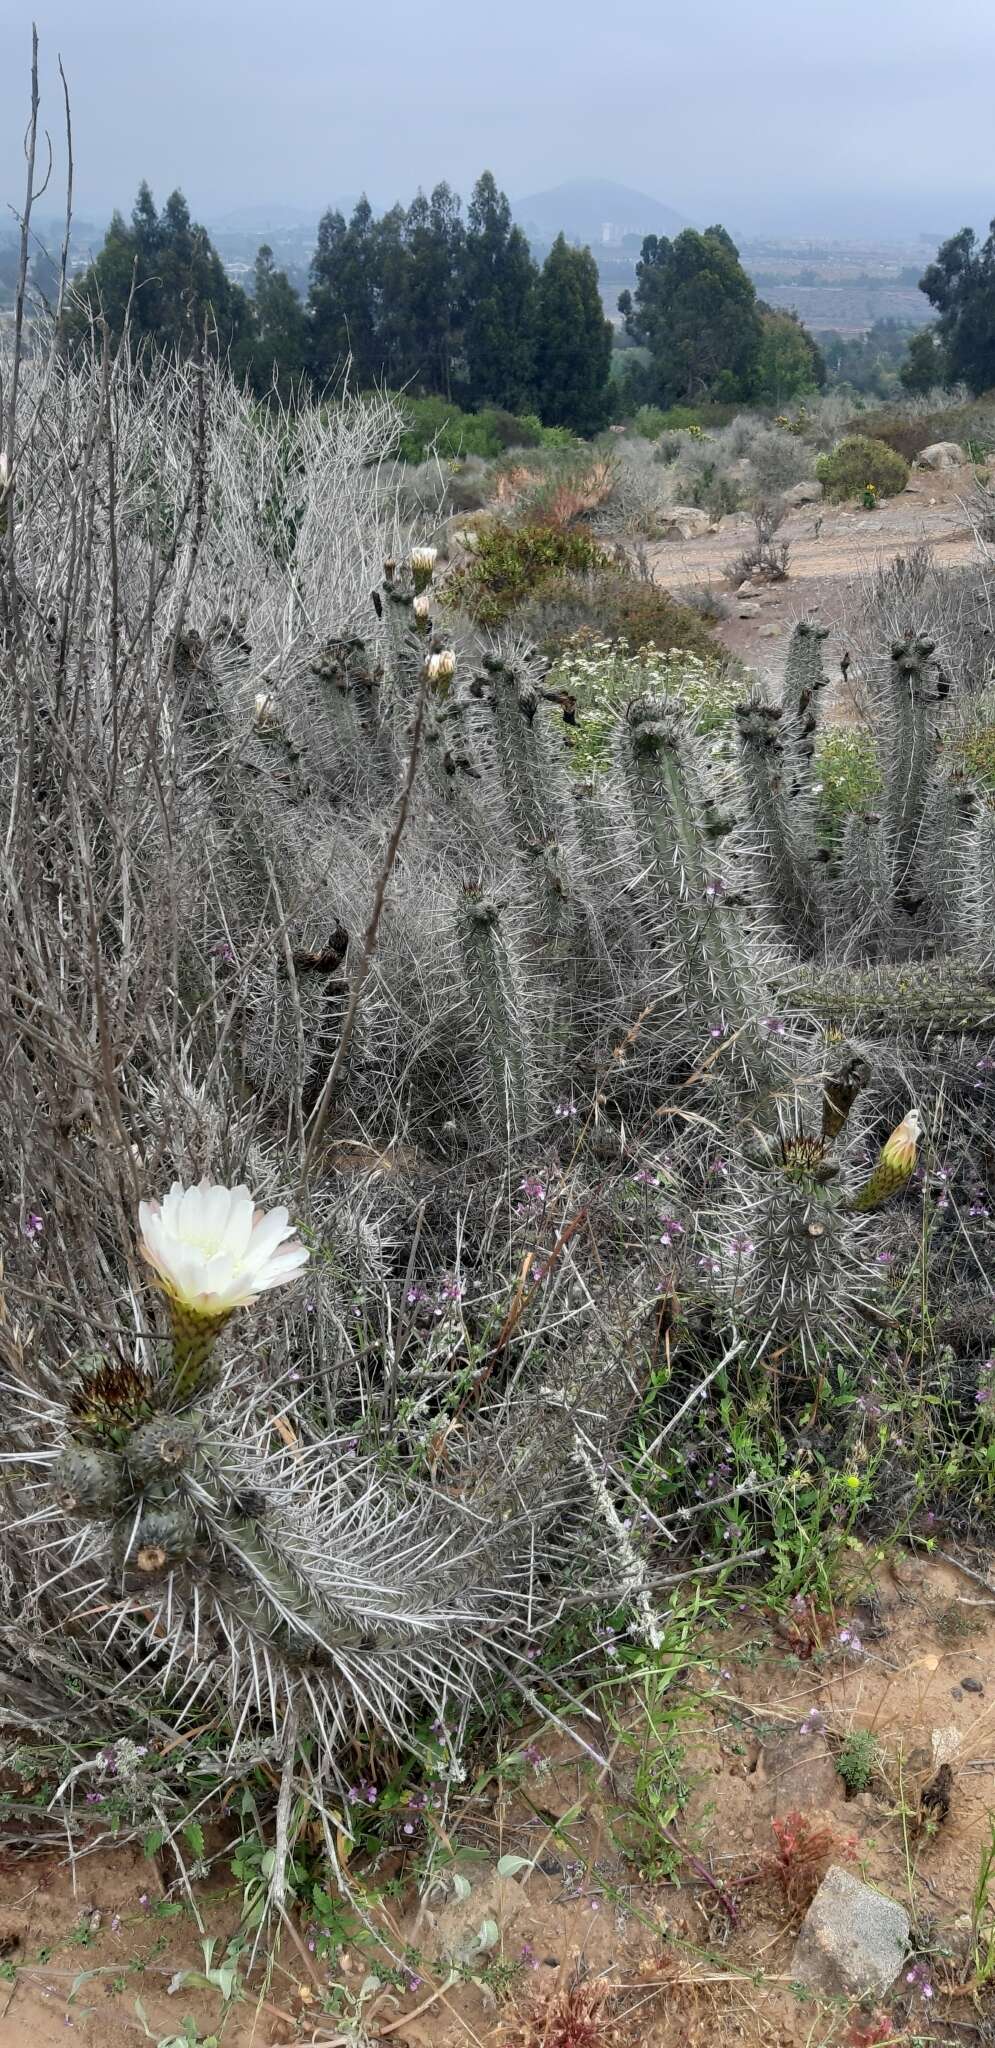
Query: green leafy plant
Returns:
{"type": "Point", "coordinates": [857, 1759]}
{"type": "Point", "coordinates": [510, 562]}
{"type": "Point", "coordinates": [858, 463]}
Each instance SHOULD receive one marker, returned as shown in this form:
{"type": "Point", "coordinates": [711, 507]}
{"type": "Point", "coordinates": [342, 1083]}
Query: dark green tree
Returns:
{"type": "Point", "coordinates": [961, 285]}
{"type": "Point", "coordinates": [165, 269]}
{"type": "Point", "coordinates": [925, 364]}
{"type": "Point", "coordinates": [572, 341]}
{"type": "Point", "coordinates": [789, 362]}
{"type": "Point", "coordinates": [435, 238]}
{"type": "Point", "coordinates": [695, 309]}
{"type": "Point", "coordinates": [342, 302]}
{"type": "Point", "coordinates": [390, 274]}
{"type": "Point", "coordinates": [498, 281]}
{"type": "Point", "coordinates": [274, 356]}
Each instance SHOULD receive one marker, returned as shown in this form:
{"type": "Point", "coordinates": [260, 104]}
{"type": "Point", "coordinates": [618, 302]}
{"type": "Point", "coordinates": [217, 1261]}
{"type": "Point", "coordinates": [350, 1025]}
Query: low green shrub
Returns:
{"type": "Point", "coordinates": [610, 606]}
{"type": "Point", "coordinates": [857, 1760]}
{"type": "Point", "coordinates": [436, 423]}
{"type": "Point", "coordinates": [857, 461]}
{"type": "Point", "coordinates": [847, 776]}
{"type": "Point", "coordinates": [510, 563]}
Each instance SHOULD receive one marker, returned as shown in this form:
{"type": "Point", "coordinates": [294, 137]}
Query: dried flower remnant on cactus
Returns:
{"type": "Point", "coordinates": [441, 668]}
{"type": "Point", "coordinates": [212, 1252]}
{"type": "Point", "coordinates": [423, 562]}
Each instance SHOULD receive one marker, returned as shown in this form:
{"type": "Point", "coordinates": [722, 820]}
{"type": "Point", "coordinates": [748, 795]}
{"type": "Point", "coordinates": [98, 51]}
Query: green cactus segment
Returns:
{"type": "Point", "coordinates": [531, 778]}
{"type": "Point", "coordinates": [678, 830]}
{"type": "Point", "coordinates": [87, 1480]}
{"type": "Point", "coordinates": [781, 817]}
{"type": "Point", "coordinates": [165, 1536]}
{"type": "Point", "coordinates": [161, 1449]}
{"type": "Point", "coordinates": [499, 1027]}
{"type": "Point", "coordinates": [796, 1266]}
{"type": "Point", "coordinates": [921, 998]}
{"type": "Point", "coordinates": [841, 1089]}
{"type": "Point", "coordinates": [912, 738]}
{"type": "Point", "coordinates": [261, 1590]}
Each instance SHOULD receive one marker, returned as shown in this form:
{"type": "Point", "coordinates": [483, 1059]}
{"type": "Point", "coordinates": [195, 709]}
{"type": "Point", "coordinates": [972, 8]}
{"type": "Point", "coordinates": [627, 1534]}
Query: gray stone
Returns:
{"type": "Point", "coordinates": [748, 611]}
{"type": "Point", "coordinates": [746, 589]}
{"type": "Point", "coordinates": [941, 455]}
{"type": "Point", "coordinates": [687, 521]}
{"type": "Point", "coordinates": [769, 633]}
{"type": "Point", "coordinates": [852, 1939]}
{"type": "Point", "coordinates": [808, 492]}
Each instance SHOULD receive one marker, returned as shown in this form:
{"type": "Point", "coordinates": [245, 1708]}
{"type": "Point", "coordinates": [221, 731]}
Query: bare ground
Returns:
{"type": "Point", "coordinates": [833, 547]}
{"type": "Point", "coordinates": [678, 1955]}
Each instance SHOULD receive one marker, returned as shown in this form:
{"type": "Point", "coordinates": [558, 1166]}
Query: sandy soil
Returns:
{"type": "Point", "coordinates": [675, 1956]}
{"type": "Point", "coordinates": [832, 546]}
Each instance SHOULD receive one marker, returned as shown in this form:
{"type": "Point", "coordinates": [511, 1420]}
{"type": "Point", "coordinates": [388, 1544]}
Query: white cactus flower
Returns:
{"type": "Point", "coordinates": [422, 606]}
{"type": "Point", "coordinates": [4, 471]}
{"type": "Point", "coordinates": [440, 668]}
{"type": "Point", "coordinates": [214, 1251]}
{"type": "Point", "coordinates": [263, 710]}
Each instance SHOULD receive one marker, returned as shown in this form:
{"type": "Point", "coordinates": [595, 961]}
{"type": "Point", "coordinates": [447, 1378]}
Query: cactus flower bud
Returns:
{"type": "Point", "coordinates": [422, 608]}
{"type": "Point", "coordinates": [263, 711]}
{"type": "Point", "coordinates": [895, 1165]}
{"type": "Point", "coordinates": [4, 471]}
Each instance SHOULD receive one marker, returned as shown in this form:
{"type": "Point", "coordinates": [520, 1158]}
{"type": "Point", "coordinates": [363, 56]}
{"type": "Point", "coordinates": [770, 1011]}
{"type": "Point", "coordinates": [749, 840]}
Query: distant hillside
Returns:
{"type": "Point", "coordinates": [586, 207]}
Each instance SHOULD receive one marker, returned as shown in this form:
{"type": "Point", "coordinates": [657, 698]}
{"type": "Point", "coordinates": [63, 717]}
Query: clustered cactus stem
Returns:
{"type": "Point", "coordinates": [696, 916]}
{"type": "Point", "coordinates": [499, 1024]}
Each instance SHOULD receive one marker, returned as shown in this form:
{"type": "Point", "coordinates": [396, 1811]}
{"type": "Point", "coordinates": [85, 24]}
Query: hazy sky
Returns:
{"type": "Point", "coordinates": [856, 113]}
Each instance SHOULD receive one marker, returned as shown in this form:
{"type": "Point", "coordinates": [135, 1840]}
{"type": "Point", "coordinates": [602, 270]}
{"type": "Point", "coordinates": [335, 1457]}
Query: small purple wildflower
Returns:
{"type": "Point", "coordinates": [33, 1225]}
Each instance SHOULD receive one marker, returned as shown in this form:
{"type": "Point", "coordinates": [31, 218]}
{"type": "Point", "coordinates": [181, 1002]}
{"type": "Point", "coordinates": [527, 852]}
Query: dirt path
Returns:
{"type": "Point", "coordinates": [833, 547]}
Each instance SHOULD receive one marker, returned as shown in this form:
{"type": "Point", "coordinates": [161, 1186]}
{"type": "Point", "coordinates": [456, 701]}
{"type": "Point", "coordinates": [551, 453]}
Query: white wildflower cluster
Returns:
{"type": "Point", "coordinates": [602, 675]}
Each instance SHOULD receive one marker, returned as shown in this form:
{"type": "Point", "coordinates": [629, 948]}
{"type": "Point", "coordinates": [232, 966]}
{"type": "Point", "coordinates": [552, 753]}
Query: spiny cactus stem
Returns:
{"type": "Point", "coordinates": [489, 974]}
{"type": "Point", "coordinates": [322, 1109]}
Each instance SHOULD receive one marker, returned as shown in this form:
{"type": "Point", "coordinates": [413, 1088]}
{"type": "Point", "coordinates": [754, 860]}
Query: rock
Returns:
{"type": "Point", "coordinates": [748, 611]}
{"type": "Point", "coordinates": [808, 492]}
{"type": "Point", "coordinates": [945, 1743]}
{"type": "Point", "coordinates": [941, 455]}
{"type": "Point", "coordinates": [852, 1939]}
{"type": "Point", "coordinates": [800, 1771]}
{"type": "Point", "coordinates": [769, 633]}
{"type": "Point", "coordinates": [747, 589]}
{"type": "Point", "coordinates": [687, 522]}
{"type": "Point", "coordinates": [955, 1693]}
{"type": "Point", "coordinates": [972, 1685]}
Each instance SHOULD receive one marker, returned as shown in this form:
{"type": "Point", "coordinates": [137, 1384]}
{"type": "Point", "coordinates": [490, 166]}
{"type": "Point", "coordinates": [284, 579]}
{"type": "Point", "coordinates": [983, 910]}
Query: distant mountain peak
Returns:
{"type": "Point", "coordinates": [595, 210]}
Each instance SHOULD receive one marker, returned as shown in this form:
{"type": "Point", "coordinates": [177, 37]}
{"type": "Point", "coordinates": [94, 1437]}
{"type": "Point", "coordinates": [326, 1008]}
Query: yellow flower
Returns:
{"type": "Point", "coordinates": [896, 1162]}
